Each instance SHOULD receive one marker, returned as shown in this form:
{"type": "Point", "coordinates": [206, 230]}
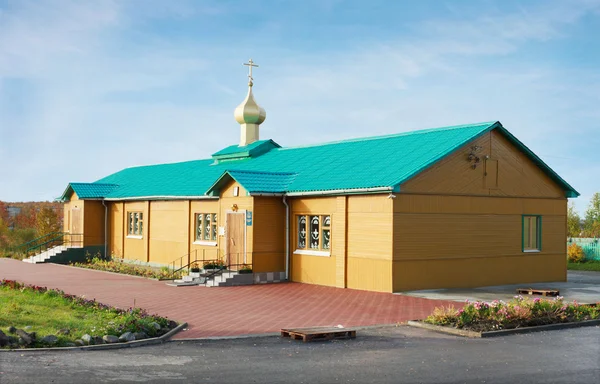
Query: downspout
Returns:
{"type": "Point", "coordinates": [287, 238]}
{"type": "Point", "coordinates": [105, 230]}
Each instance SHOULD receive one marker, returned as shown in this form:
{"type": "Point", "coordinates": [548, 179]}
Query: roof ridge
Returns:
{"type": "Point", "coordinates": [263, 172]}
{"type": "Point", "coordinates": [400, 134]}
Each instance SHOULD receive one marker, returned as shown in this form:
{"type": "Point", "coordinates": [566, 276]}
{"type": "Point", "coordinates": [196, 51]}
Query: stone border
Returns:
{"type": "Point", "coordinates": [502, 332]}
{"type": "Point", "coordinates": [130, 344]}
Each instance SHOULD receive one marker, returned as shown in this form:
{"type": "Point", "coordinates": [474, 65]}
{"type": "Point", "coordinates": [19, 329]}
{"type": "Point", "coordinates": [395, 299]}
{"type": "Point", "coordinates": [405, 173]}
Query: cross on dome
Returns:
{"type": "Point", "coordinates": [250, 64]}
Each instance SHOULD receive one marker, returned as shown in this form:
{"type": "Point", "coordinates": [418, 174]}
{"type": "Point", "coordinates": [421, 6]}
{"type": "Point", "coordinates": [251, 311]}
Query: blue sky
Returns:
{"type": "Point", "coordinates": [90, 87]}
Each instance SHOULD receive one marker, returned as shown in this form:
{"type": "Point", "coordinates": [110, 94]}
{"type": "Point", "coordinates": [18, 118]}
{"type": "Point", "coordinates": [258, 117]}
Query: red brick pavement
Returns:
{"type": "Point", "coordinates": [228, 311]}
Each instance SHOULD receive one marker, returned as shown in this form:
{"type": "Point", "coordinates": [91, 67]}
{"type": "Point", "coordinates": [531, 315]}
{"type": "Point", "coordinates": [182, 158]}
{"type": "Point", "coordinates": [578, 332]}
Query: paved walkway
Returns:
{"type": "Point", "coordinates": [228, 311]}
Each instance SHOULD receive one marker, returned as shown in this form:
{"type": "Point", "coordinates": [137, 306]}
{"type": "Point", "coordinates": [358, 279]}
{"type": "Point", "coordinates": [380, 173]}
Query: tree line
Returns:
{"type": "Point", "coordinates": [589, 225]}
{"type": "Point", "coordinates": [23, 222]}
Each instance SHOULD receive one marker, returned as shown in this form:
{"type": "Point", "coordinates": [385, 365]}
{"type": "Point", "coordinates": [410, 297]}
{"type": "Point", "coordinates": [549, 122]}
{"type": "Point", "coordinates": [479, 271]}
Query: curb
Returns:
{"type": "Point", "coordinates": [273, 334]}
{"type": "Point", "coordinates": [503, 332]}
{"type": "Point", "coordinates": [130, 344]}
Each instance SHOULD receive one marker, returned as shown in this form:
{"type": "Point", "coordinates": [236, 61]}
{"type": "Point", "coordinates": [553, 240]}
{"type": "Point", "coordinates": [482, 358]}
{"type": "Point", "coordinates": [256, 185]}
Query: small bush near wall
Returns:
{"type": "Point", "coordinates": [575, 253]}
{"type": "Point", "coordinates": [117, 266]}
{"type": "Point", "coordinates": [519, 312]}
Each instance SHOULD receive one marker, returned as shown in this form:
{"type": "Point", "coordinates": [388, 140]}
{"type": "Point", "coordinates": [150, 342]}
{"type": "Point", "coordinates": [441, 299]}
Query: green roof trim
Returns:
{"type": "Point", "coordinates": [371, 164]}
{"type": "Point", "coordinates": [87, 190]}
{"type": "Point", "coordinates": [255, 182]}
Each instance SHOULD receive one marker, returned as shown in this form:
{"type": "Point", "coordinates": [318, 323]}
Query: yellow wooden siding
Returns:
{"type": "Point", "coordinates": [477, 272]}
{"type": "Point", "coordinates": [134, 248]}
{"type": "Point", "coordinates": [311, 269]}
{"type": "Point", "coordinates": [369, 242]}
{"type": "Point", "coordinates": [116, 229]}
{"type": "Point", "coordinates": [269, 234]}
{"type": "Point", "coordinates": [169, 236]}
{"type": "Point", "coordinates": [462, 241]}
{"type": "Point", "coordinates": [516, 175]}
{"type": "Point", "coordinates": [201, 251]}
{"type": "Point", "coordinates": [339, 240]}
{"type": "Point", "coordinates": [318, 270]}
{"type": "Point", "coordinates": [93, 223]}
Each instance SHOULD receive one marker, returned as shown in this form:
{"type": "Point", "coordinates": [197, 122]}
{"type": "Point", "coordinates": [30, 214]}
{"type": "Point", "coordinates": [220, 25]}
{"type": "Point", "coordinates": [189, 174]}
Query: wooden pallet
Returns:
{"type": "Point", "coordinates": [543, 292]}
{"type": "Point", "coordinates": [318, 333]}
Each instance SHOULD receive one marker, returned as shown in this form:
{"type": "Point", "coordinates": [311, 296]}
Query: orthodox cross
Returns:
{"type": "Point", "coordinates": [250, 64]}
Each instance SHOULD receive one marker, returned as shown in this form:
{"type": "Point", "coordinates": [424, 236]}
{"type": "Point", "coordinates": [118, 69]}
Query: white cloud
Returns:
{"type": "Point", "coordinates": [105, 96]}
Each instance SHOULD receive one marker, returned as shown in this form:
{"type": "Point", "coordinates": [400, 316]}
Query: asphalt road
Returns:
{"type": "Point", "coordinates": [385, 355]}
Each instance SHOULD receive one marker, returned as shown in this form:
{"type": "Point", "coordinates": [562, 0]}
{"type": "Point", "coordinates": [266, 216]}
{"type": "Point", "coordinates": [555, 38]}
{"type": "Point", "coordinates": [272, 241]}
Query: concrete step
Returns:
{"type": "Point", "coordinates": [186, 282]}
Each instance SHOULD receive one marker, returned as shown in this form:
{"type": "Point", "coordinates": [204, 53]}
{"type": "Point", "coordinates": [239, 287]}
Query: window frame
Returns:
{"type": "Point", "coordinates": [199, 236]}
{"type": "Point", "coordinates": [135, 226]}
{"type": "Point", "coordinates": [538, 233]}
{"type": "Point", "coordinates": [308, 248]}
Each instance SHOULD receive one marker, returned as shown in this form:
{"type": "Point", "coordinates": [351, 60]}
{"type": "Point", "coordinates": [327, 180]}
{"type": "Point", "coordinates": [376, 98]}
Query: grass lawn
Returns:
{"type": "Point", "coordinates": [585, 266]}
{"type": "Point", "coordinates": [48, 311]}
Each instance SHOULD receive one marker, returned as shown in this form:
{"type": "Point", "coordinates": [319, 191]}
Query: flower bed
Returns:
{"type": "Point", "coordinates": [33, 316]}
{"type": "Point", "coordinates": [118, 266]}
{"type": "Point", "coordinates": [517, 313]}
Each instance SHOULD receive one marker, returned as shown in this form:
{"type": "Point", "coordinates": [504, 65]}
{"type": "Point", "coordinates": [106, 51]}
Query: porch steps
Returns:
{"type": "Point", "coordinates": [223, 279]}
{"type": "Point", "coordinates": [47, 255]}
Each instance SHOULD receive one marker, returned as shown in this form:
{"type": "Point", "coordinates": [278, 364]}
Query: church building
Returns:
{"type": "Point", "coordinates": [459, 206]}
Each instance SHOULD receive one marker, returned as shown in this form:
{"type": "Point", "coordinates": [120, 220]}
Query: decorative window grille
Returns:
{"type": "Point", "coordinates": [206, 227]}
{"type": "Point", "coordinates": [136, 223]}
{"type": "Point", "coordinates": [326, 232]}
{"type": "Point", "coordinates": [313, 232]}
{"type": "Point", "coordinates": [301, 232]}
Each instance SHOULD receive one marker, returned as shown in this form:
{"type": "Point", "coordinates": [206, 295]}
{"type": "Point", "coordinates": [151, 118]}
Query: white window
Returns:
{"type": "Point", "coordinates": [206, 227]}
{"type": "Point", "coordinates": [136, 223]}
{"type": "Point", "coordinates": [532, 233]}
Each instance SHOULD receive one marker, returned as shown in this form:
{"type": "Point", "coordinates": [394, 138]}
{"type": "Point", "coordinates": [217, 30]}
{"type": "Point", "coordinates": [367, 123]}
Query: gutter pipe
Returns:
{"type": "Point", "coordinates": [105, 230]}
{"type": "Point", "coordinates": [287, 238]}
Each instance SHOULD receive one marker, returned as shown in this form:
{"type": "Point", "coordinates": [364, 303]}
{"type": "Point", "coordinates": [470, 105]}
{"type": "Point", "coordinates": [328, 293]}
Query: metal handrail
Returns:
{"type": "Point", "coordinates": [37, 239]}
{"type": "Point", "coordinates": [56, 241]}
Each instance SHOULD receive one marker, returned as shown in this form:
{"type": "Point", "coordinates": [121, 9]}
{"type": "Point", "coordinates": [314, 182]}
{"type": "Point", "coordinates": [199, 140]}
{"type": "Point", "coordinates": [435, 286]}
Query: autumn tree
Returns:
{"type": "Point", "coordinates": [47, 221]}
{"type": "Point", "coordinates": [573, 221]}
{"type": "Point", "coordinates": [591, 222]}
{"type": "Point", "coordinates": [26, 218]}
{"type": "Point", "coordinates": [4, 212]}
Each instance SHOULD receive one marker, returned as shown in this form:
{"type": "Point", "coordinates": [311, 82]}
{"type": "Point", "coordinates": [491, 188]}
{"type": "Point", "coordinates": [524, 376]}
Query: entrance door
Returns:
{"type": "Point", "coordinates": [76, 238]}
{"type": "Point", "coordinates": [236, 238]}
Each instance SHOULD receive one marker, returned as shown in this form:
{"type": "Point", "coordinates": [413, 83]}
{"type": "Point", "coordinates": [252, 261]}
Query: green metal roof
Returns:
{"type": "Point", "coordinates": [358, 165]}
{"type": "Point", "coordinates": [256, 182]}
{"type": "Point", "coordinates": [87, 190]}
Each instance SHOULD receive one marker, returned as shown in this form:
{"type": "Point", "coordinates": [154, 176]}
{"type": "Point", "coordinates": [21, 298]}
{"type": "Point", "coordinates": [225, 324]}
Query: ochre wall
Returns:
{"type": "Point", "coordinates": [169, 231]}
{"type": "Point", "coordinates": [319, 270]}
{"type": "Point", "coordinates": [204, 251]}
{"type": "Point", "coordinates": [135, 248]}
{"type": "Point", "coordinates": [116, 229]}
{"type": "Point", "coordinates": [455, 226]}
{"type": "Point", "coordinates": [93, 223]}
{"type": "Point", "coordinates": [370, 242]}
{"type": "Point", "coordinates": [268, 223]}
{"type": "Point", "coordinates": [517, 175]}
